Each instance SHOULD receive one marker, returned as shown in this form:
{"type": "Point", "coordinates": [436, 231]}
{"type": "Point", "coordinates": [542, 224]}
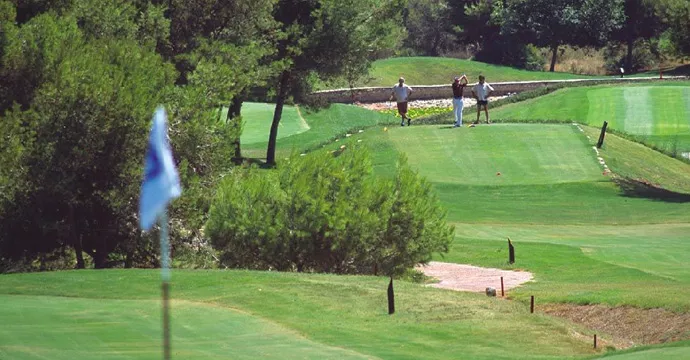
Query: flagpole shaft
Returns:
{"type": "Point", "coordinates": [165, 277]}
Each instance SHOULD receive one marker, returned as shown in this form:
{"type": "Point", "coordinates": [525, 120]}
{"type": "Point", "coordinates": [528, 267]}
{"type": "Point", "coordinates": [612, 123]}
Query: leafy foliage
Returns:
{"type": "Point", "coordinates": [327, 213]}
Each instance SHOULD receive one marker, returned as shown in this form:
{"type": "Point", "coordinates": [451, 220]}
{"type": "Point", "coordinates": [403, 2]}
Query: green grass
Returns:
{"type": "Point", "coordinates": [585, 240]}
{"type": "Point", "coordinates": [242, 314]}
{"type": "Point", "coordinates": [548, 154]}
{"type": "Point", "coordinates": [670, 351]}
{"type": "Point", "coordinates": [257, 122]}
{"type": "Point", "coordinates": [437, 70]}
{"type": "Point", "coordinates": [636, 161]}
{"type": "Point", "coordinates": [324, 125]}
{"type": "Point", "coordinates": [658, 115]}
{"type": "Point", "coordinates": [49, 327]}
{"type": "Point", "coordinates": [549, 170]}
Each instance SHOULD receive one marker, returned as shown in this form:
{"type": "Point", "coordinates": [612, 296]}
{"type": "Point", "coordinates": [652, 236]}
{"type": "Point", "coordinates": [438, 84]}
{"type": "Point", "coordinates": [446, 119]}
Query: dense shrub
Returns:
{"type": "Point", "coordinates": [642, 57]}
{"type": "Point", "coordinates": [511, 52]}
{"type": "Point", "coordinates": [326, 213]}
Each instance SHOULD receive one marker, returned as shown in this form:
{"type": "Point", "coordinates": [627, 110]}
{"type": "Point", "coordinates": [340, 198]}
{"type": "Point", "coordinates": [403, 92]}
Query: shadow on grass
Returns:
{"type": "Point", "coordinates": [643, 189]}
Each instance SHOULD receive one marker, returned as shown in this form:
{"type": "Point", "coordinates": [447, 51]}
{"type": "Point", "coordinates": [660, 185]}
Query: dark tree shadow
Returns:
{"type": "Point", "coordinates": [258, 162]}
{"type": "Point", "coordinates": [680, 70]}
{"type": "Point", "coordinates": [642, 189]}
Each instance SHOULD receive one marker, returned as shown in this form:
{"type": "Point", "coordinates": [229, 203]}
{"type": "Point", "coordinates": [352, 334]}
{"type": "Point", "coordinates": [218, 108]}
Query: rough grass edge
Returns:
{"type": "Point", "coordinates": [636, 349]}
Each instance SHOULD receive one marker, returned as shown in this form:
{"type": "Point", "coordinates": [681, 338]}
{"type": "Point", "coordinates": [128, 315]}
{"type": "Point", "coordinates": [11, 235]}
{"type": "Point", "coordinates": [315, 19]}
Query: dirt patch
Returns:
{"type": "Point", "coordinates": [629, 326]}
{"type": "Point", "coordinates": [472, 278]}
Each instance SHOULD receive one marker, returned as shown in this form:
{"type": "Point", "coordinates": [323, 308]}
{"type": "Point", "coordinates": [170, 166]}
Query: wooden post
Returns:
{"type": "Point", "coordinates": [531, 304]}
{"type": "Point", "coordinates": [502, 292]}
{"type": "Point", "coordinates": [595, 341]}
{"type": "Point", "coordinates": [511, 252]}
{"type": "Point", "coordinates": [601, 136]}
{"type": "Point", "coordinates": [391, 298]}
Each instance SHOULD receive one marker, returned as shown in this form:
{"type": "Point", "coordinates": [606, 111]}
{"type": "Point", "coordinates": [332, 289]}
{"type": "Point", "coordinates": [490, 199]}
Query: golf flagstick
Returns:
{"type": "Point", "coordinates": [161, 184]}
{"type": "Point", "coordinates": [165, 282]}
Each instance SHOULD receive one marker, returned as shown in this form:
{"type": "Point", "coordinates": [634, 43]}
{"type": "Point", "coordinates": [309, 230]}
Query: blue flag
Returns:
{"type": "Point", "coordinates": [161, 181]}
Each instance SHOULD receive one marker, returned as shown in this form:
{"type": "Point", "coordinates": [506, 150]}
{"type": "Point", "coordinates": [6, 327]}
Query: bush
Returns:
{"type": "Point", "coordinates": [326, 213]}
{"type": "Point", "coordinates": [508, 51]}
{"type": "Point", "coordinates": [642, 59]}
{"type": "Point", "coordinates": [533, 58]}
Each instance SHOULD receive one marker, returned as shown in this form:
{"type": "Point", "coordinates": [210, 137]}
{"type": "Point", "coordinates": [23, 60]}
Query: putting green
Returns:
{"type": "Point", "coordinates": [44, 327]}
{"type": "Point", "coordinates": [659, 115]}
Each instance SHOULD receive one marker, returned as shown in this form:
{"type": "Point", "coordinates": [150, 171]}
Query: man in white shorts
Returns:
{"type": "Point", "coordinates": [481, 92]}
{"type": "Point", "coordinates": [402, 92]}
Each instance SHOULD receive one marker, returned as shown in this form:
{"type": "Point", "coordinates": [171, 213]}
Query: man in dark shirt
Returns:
{"type": "Point", "coordinates": [458, 88]}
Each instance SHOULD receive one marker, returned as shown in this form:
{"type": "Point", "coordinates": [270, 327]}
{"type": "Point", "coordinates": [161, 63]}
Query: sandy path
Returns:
{"type": "Point", "coordinates": [442, 103]}
{"type": "Point", "coordinates": [472, 278]}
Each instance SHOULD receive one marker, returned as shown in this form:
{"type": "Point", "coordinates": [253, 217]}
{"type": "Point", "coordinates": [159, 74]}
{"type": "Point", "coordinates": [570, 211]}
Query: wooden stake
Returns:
{"type": "Point", "coordinates": [531, 305]}
{"type": "Point", "coordinates": [502, 292]}
{"type": "Point", "coordinates": [391, 298]}
{"type": "Point", "coordinates": [511, 252]}
{"type": "Point", "coordinates": [601, 136]}
{"type": "Point", "coordinates": [595, 341]}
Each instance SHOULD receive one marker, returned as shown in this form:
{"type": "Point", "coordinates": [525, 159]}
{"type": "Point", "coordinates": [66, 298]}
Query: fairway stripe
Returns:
{"type": "Point", "coordinates": [639, 116]}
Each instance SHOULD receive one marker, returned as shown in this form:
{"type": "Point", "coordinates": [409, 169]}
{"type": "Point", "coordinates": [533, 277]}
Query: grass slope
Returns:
{"type": "Point", "coordinates": [438, 70]}
{"type": "Point", "coordinates": [112, 314]}
{"type": "Point", "coordinates": [48, 327]}
{"type": "Point", "coordinates": [658, 115]}
{"type": "Point", "coordinates": [257, 122]}
{"type": "Point", "coordinates": [585, 239]}
{"type": "Point", "coordinates": [323, 125]}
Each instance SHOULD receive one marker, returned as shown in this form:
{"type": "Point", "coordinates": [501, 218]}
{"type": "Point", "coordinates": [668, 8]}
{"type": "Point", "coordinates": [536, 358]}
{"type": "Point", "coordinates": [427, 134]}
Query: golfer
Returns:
{"type": "Point", "coordinates": [481, 92]}
{"type": "Point", "coordinates": [402, 92]}
{"type": "Point", "coordinates": [458, 88]}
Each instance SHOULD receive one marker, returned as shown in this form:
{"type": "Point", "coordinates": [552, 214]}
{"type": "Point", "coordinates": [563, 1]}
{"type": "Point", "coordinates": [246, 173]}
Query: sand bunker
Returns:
{"type": "Point", "coordinates": [472, 278]}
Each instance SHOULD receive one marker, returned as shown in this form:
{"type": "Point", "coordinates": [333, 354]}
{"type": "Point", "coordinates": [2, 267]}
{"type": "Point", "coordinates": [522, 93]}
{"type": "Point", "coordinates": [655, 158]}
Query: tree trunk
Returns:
{"type": "Point", "coordinates": [80, 254]}
{"type": "Point", "coordinates": [234, 112]}
{"type": "Point", "coordinates": [280, 102]}
{"type": "Point", "coordinates": [75, 239]}
{"type": "Point", "coordinates": [99, 260]}
{"type": "Point", "coordinates": [554, 56]}
{"type": "Point", "coordinates": [629, 57]}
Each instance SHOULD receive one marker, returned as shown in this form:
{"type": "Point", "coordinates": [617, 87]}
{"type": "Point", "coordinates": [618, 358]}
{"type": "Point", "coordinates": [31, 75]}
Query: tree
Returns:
{"type": "Point", "coordinates": [225, 40]}
{"type": "Point", "coordinates": [552, 23]}
{"type": "Point", "coordinates": [87, 122]}
{"type": "Point", "coordinates": [429, 26]}
{"type": "Point", "coordinates": [641, 22]}
{"type": "Point", "coordinates": [477, 22]}
{"type": "Point", "coordinates": [676, 15]}
{"type": "Point", "coordinates": [320, 37]}
{"type": "Point", "coordinates": [327, 213]}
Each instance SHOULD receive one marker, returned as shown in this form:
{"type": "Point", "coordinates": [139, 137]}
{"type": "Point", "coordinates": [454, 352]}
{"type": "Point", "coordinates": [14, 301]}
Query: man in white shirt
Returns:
{"type": "Point", "coordinates": [481, 92]}
{"type": "Point", "coordinates": [402, 92]}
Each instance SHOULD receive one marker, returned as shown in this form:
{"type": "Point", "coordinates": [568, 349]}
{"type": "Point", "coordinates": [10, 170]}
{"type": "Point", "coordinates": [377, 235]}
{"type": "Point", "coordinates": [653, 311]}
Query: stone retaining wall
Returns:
{"type": "Point", "coordinates": [430, 92]}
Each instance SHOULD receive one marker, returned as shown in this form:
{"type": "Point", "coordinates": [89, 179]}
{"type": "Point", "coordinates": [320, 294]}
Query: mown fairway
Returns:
{"type": "Point", "coordinates": [249, 315]}
{"type": "Point", "coordinates": [658, 115]}
{"type": "Point", "coordinates": [258, 122]}
{"type": "Point", "coordinates": [587, 241]}
{"type": "Point", "coordinates": [306, 132]}
{"type": "Point", "coordinates": [442, 70]}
